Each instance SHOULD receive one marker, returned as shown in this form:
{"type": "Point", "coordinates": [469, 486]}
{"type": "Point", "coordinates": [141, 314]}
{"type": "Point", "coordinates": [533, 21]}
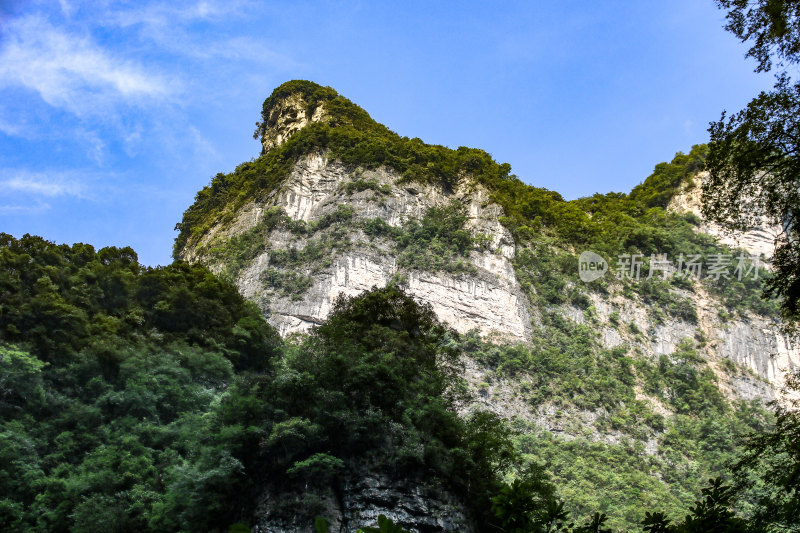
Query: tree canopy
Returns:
{"type": "Point", "coordinates": [754, 168]}
{"type": "Point", "coordinates": [754, 154]}
{"type": "Point", "coordinates": [772, 26]}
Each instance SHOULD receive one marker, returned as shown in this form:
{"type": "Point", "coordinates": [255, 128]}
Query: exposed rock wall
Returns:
{"type": "Point", "coordinates": [363, 496]}
{"type": "Point", "coordinates": [486, 297]}
{"type": "Point", "coordinates": [758, 240]}
{"type": "Point", "coordinates": [288, 116]}
{"type": "Point", "coordinates": [755, 343]}
{"type": "Point", "coordinates": [489, 300]}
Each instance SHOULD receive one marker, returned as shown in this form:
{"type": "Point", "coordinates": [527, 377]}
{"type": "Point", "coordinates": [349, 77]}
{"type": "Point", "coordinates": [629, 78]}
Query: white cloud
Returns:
{"type": "Point", "coordinates": [71, 72]}
{"type": "Point", "coordinates": [167, 14]}
{"type": "Point", "coordinates": [94, 144]}
{"type": "Point", "coordinates": [168, 26]}
{"type": "Point", "coordinates": [42, 184]}
{"type": "Point", "coordinates": [10, 128]}
{"type": "Point", "coordinates": [24, 209]}
{"type": "Point", "coordinates": [201, 144]}
{"type": "Point", "coordinates": [66, 8]}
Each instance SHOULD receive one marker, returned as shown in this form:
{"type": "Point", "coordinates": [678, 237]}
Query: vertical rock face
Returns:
{"type": "Point", "coordinates": [287, 117]}
{"type": "Point", "coordinates": [758, 240]}
{"type": "Point", "coordinates": [363, 496]}
{"type": "Point", "coordinates": [757, 343]}
{"type": "Point", "coordinates": [754, 343]}
{"type": "Point", "coordinates": [487, 298]}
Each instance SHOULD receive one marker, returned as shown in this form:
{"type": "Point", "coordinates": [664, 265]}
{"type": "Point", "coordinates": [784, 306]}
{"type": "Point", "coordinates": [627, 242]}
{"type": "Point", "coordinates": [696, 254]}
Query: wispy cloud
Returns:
{"type": "Point", "coordinates": [168, 25]}
{"type": "Point", "coordinates": [9, 127]}
{"type": "Point", "coordinates": [40, 184]}
{"type": "Point", "coordinates": [70, 71]}
{"type": "Point", "coordinates": [66, 8]}
{"type": "Point", "coordinates": [165, 14]}
{"type": "Point", "coordinates": [32, 209]}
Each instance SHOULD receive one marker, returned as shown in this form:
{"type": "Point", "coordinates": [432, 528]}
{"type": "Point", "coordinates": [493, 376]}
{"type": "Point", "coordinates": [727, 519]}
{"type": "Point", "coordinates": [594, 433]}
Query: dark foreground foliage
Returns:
{"type": "Point", "coordinates": [141, 399]}
{"type": "Point", "coordinates": [147, 399]}
{"type": "Point", "coordinates": [108, 371]}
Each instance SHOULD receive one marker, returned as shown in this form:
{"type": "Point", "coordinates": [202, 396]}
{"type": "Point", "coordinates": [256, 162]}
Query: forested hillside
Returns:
{"type": "Point", "coordinates": [139, 399]}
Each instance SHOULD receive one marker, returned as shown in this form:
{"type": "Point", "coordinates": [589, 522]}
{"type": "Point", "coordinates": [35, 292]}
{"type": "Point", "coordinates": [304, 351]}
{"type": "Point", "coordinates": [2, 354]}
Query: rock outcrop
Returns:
{"type": "Point", "coordinates": [364, 496]}
{"type": "Point", "coordinates": [287, 117]}
{"type": "Point", "coordinates": [758, 240]}
{"type": "Point", "coordinates": [488, 299]}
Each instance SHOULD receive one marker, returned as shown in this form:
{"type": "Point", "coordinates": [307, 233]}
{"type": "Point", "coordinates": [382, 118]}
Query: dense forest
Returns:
{"type": "Point", "coordinates": [153, 399]}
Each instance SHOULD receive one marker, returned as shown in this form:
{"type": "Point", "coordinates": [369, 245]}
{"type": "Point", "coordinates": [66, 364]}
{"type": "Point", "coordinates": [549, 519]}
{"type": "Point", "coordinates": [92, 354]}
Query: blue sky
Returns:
{"type": "Point", "coordinates": [113, 114]}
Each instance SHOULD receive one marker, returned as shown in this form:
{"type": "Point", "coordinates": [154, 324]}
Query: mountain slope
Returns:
{"type": "Point", "coordinates": [646, 381]}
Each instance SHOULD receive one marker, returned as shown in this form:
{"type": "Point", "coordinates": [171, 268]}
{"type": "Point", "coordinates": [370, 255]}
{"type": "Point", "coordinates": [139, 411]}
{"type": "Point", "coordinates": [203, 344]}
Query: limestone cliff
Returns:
{"type": "Point", "coordinates": [760, 239]}
{"type": "Point", "coordinates": [488, 299]}
{"type": "Point", "coordinates": [328, 225]}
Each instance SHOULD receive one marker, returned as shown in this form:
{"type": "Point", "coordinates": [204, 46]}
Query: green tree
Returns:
{"type": "Point", "coordinates": [773, 27]}
{"type": "Point", "coordinates": [754, 169]}
{"type": "Point", "coordinates": [770, 465]}
{"type": "Point", "coordinates": [20, 377]}
{"type": "Point", "coordinates": [754, 155]}
{"type": "Point", "coordinates": [528, 505]}
{"type": "Point", "coordinates": [111, 381]}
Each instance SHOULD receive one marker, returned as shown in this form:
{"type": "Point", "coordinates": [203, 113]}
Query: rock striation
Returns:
{"type": "Point", "coordinates": [489, 300]}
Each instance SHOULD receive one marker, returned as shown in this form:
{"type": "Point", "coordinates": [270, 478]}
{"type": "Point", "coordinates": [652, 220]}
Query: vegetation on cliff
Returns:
{"type": "Point", "coordinates": [566, 365]}
{"type": "Point", "coordinates": [348, 134]}
{"type": "Point", "coordinates": [610, 224]}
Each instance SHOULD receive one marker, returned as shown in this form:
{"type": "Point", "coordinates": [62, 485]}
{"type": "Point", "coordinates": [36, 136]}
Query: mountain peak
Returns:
{"type": "Point", "coordinates": [297, 103]}
{"type": "Point", "coordinates": [289, 108]}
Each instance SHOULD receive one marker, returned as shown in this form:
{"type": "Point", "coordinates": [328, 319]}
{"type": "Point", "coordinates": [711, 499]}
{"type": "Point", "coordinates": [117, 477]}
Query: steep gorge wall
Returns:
{"type": "Point", "coordinates": [489, 300]}
{"type": "Point", "coordinates": [758, 240]}
{"type": "Point", "coordinates": [755, 343]}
